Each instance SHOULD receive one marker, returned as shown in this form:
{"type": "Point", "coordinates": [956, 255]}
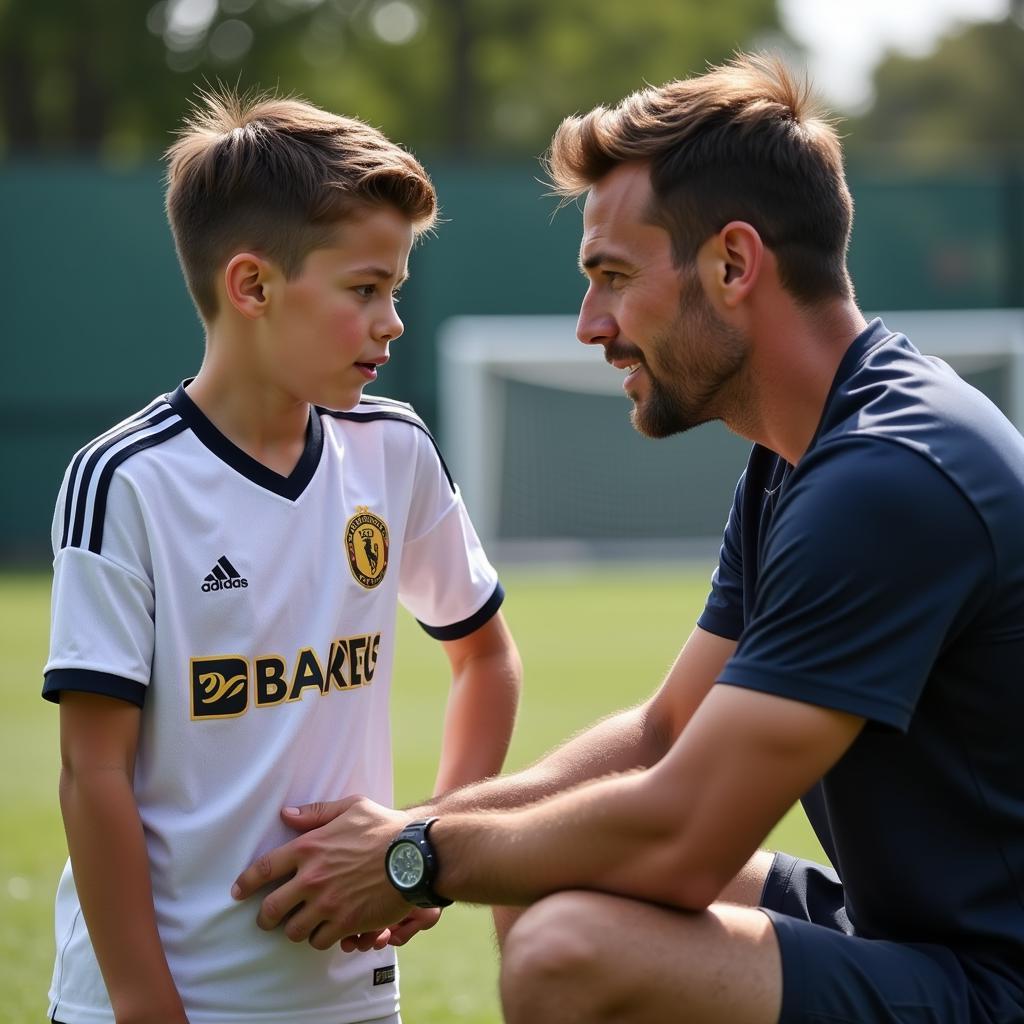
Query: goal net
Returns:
{"type": "Point", "coordinates": [536, 429]}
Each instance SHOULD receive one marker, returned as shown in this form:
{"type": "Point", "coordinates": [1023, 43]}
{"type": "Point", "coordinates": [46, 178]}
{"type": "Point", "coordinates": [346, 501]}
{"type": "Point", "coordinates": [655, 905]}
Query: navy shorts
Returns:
{"type": "Point", "coordinates": [831, 976]}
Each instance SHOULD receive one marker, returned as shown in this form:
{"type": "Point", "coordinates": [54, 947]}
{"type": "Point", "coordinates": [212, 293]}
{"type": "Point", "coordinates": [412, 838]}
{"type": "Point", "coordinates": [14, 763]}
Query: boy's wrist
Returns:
{"type": "Point", "coordinates": [153, 1013]}
{"type": "Point", "coordinates": [149, 1005]}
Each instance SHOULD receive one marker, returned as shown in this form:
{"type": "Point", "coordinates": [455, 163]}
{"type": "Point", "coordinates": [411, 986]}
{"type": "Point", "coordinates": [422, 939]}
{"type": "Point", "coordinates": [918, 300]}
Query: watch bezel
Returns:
{"type": "Point", "coordinates": [393, 849]}
{"type": "Point", "coordinates": [420, 894]}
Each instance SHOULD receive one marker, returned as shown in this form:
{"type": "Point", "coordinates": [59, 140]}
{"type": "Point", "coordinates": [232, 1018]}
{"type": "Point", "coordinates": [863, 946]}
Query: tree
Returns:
{"type": "Point", "coordinates": [109, 77]}
{"type": "Point", "coordinates": [963, 102]}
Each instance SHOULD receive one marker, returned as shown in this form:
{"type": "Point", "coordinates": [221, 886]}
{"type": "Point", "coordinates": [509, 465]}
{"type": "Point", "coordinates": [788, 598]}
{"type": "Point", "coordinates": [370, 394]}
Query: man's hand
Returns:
{"type": "Point", "coordinates": [335, 887]}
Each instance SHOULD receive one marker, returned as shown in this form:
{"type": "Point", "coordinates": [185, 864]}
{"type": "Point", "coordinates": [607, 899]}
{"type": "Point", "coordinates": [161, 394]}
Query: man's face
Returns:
{"type": "Point", "coordinates": [650, 315]}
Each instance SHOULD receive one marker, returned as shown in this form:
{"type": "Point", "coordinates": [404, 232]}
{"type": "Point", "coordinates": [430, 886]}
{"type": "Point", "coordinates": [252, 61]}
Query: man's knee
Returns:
{"type": "Point", "coordinates": [551, 959]}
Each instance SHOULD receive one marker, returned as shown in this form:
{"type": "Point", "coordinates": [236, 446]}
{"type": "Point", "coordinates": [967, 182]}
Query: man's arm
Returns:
{"type": "Point", "coordinates": [486, 682]}
{"type": "Point", "coordinates": [98, 738]}
{"type": "Point", "coordinates": [634, 738]}
{"type": "Point", "coordinates": [675, 834]}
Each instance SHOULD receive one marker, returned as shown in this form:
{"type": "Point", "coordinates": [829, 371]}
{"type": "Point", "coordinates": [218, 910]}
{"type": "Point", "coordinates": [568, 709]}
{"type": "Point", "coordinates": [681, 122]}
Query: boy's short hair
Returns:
{"type": "Point", "coordinates": [276, 176]}
{"type": "Point", "coordinates": [741, 142]}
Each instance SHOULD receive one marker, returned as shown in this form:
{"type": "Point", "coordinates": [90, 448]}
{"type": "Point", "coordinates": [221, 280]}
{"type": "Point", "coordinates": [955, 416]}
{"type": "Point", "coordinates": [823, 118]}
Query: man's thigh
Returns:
{"type": "Point", "coordinates": [590, 957]}
{"type": "Point", "coordinates": [586, 956]}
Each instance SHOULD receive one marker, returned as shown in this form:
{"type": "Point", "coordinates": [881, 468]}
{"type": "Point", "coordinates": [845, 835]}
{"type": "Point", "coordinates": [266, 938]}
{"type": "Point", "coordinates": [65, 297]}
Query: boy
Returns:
{"type": "Point", "coordinates": [228, 563]}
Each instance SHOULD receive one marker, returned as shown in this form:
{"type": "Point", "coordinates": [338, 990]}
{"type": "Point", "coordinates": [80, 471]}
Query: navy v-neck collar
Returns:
{"type": "Point", "coordinates": [290, 486]}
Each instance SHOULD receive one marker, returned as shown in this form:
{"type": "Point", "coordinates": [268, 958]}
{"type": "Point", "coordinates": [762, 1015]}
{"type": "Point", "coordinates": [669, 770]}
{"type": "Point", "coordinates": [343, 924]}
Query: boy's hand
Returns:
{"type": "Point", "coordinates": [419, 919]}
{"type": "Point", "coordinates": [333, 881]}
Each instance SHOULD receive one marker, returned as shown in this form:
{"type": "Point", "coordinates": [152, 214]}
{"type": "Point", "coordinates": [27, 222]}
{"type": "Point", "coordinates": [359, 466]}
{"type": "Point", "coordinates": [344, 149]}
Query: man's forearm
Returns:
{"type": "Point", "coordinates": [622, 742]}
{"type": "Point", "coordinates": [111, 867]}
{"type": "Point", "coordinates": [606, 834]}
{"type": "Point", "coordinates": [674, 834]}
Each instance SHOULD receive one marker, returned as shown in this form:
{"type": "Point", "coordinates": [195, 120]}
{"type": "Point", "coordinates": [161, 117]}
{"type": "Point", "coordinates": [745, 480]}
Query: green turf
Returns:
{"type": "Point", "coordinates": [592, 641]}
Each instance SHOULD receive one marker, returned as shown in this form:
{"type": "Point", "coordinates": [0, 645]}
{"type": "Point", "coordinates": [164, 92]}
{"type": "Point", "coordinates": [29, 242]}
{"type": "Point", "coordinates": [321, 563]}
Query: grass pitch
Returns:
{"type": "Point", "coordinates": [592, 640]}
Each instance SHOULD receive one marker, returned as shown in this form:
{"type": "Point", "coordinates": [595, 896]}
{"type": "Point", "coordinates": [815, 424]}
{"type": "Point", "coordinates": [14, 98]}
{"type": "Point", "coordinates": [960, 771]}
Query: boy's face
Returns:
{"type": "Point", "coordinates": [327, 329]}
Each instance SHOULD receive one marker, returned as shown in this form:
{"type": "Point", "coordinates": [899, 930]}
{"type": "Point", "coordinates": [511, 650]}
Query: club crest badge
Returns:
{"type": "Point", "coordinates": [366, 543]}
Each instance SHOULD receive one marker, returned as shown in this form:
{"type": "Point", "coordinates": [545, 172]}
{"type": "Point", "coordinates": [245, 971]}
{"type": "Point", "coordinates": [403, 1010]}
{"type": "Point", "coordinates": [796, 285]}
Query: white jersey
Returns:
{"type": "Point", "coordinates": [252, 616]}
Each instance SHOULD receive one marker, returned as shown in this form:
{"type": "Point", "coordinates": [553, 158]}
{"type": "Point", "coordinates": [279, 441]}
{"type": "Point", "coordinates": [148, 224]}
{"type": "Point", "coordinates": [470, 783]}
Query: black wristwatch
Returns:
{"type": "Point", "coordinates": [411, 865]}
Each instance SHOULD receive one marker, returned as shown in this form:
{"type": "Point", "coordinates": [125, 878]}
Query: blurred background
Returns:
{"type": "Point", "coordinates": [95, 321]}
{"type": "Point", "coordinates": [95, 318]}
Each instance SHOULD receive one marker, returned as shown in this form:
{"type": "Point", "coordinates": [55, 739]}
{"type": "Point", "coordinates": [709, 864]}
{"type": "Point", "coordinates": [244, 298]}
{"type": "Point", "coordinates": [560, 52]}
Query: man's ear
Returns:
{"type": "Point", "coordinates": [245, 278]}
{"type": "Point", "coordinates": [730, 263]}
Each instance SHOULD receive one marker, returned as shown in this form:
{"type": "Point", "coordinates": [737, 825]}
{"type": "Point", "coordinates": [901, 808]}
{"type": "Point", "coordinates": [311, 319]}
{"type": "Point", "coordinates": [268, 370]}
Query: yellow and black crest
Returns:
{"type": "Point", "coordinates": [366, 541]}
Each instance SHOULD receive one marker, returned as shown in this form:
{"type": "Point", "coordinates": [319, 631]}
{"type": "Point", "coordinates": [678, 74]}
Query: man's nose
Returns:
{"type": "Point", "coordinates": [595, 326]}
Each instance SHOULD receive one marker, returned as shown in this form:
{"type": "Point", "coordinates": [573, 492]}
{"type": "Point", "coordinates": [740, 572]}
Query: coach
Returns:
{"type": "Point", "coordinates": [862, 645]}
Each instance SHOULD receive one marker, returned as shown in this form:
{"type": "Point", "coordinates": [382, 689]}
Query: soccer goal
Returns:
{"type": "Point", "coordinates": [536, 429]}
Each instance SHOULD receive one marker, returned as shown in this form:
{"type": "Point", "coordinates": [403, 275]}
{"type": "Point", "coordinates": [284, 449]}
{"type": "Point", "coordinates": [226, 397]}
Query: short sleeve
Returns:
{"type": "Point", "coordinates": [446, 580]}
{"type": "Point", "coordinates": [101, 624]}
{"type": "Point", "coordinates": [723, 610]}
{"type": "Point", "coordinates": [873, 563]}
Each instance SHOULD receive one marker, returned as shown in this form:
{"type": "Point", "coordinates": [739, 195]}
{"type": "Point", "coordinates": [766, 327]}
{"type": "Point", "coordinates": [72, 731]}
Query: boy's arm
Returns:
{"type": "Point", "coordinates": [486, 681]}
{"type": "Point", "coordinates": [98, 738]}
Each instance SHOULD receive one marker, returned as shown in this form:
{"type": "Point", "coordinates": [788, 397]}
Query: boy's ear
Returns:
{"type": "Point", "coordinates": [730, 263]}
{"type": "Point", "coordinates": [244, 280]}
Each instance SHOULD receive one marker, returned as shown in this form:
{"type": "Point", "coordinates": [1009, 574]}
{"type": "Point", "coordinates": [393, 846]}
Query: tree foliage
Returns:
{"type": "Point", "coordinates": [113, 77]}
{"type": "Point", "coordinates": [960, 103]}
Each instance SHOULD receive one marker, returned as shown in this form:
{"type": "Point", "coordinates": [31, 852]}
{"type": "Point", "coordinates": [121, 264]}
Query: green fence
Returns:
{"type": "Point", "coordinates": [96, 320]}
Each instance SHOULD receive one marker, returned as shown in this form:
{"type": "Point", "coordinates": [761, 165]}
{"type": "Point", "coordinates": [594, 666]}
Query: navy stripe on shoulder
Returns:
{"type": "Point", "coordinates": [117, 430]}
{"type": "Point", "coordinates": [457, 630]}
{"type": "Point", "coordinates": [404, 414]}
{"type": "Point", "coordinates": [81, 680]}
{"type": "Point", "coordinates": [103, 485]}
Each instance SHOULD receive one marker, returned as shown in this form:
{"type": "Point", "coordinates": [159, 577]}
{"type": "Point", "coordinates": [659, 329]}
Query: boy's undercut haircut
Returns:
{"type": "Point", "coordinates": [276, 176]}
{"type": "Point", "coordinates": [742, 142]}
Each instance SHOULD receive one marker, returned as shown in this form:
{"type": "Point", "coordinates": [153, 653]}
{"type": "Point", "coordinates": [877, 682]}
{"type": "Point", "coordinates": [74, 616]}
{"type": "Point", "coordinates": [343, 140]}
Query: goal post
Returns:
{"type": "Point", "coordinates": [535, 428]}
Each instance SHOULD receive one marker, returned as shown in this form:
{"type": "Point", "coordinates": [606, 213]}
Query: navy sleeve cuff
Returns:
{"type": "Point", "coordinates": [85, 681]}
{"type": "Point", "coordinates": [458, 630]}
{"type": "Point", "coordinates": [721, 623]}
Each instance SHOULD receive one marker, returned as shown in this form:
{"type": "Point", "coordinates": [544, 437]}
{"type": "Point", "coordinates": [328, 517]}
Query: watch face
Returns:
{"type": "Point", "coordinates": [405, 865]}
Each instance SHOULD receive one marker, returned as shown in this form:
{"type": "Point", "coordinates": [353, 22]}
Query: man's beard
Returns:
{"type": "Point", "coordinates": [700, 362]}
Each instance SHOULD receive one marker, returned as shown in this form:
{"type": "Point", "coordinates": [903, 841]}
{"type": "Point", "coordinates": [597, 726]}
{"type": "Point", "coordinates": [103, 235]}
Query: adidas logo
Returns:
{"type": "Point", "coordinates": [223, 576]}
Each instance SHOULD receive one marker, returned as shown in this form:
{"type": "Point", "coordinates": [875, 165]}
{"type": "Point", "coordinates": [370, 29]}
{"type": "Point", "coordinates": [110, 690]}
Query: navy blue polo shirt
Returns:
{"type": "Point", "coordinates": [884, 576]}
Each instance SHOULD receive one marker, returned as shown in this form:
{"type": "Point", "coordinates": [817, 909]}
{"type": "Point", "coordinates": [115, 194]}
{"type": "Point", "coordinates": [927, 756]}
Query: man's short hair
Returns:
{"type": "Point", "coordinates": [741, 142]}
{"type": "Point", "coordinates": [277, 176]}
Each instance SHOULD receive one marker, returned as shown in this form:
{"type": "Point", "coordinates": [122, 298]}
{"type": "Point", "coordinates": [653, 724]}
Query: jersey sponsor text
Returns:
{"type": "Point", "coordinates": [221, 685]}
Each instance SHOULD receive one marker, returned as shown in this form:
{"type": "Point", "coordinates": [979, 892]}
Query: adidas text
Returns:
{"type": "Point", "coordinates": [223, 576]}
{"type": "Point", "coordinates": [225, 585]}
